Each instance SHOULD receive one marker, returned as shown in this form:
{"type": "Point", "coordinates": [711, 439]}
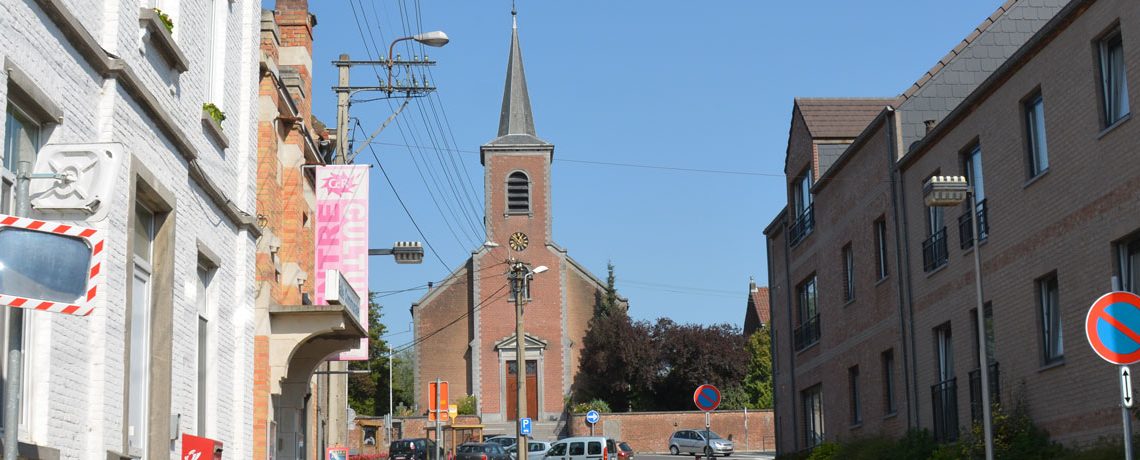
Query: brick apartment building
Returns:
{"type": "Point", "coordinates": [168, 350]}
{"type": "Point", "coordinates": [465, 325]}
{"type": "Point", "coordinates": [296, 414]}
{"type": "Point", "coordinates": [873, 294]}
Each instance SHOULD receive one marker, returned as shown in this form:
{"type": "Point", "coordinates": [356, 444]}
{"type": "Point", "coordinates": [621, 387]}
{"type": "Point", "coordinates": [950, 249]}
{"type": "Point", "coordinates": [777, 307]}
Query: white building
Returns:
{"type": "Point", "coordinates": [169, 348]}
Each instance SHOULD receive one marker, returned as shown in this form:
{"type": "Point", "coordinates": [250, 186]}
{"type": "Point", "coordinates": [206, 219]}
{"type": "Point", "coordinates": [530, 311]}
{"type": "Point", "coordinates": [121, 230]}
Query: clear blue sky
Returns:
{"type": "Point", "coordinates": [676, 84]}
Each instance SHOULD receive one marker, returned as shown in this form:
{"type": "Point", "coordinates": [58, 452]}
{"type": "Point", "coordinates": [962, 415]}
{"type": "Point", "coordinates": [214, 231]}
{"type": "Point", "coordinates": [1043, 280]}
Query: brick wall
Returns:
{"type": "Point", "coordinates": [650, 431]}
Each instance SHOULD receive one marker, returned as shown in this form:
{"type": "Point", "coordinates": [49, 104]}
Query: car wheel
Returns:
{"type": "Point", "coordinates": [673, 450]}
{"type": "Point", "coordinates": [708, 452]}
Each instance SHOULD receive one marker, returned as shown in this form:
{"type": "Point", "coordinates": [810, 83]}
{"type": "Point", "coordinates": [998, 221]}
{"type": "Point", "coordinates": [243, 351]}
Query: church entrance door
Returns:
{"type": "Point", "coordinates": [531, 390]}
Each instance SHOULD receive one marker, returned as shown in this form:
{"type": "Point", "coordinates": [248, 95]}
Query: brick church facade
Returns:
{"type": "Point", "coordinates": [464, 326]}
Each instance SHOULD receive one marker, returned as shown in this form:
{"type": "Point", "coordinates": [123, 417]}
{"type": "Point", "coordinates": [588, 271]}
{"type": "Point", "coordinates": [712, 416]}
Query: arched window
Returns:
{"type": "Point", "coordinates": [518, 193]}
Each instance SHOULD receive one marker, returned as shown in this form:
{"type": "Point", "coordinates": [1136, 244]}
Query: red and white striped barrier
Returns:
{"type": "Point", "coordinates": [84, 304]}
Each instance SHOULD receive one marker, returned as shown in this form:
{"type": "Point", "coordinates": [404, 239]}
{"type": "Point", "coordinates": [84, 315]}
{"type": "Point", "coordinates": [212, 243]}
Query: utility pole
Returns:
{"type": "Point", "coordinates": [342, 96]}
{"type": "Point", "coordinates": [521, 279]}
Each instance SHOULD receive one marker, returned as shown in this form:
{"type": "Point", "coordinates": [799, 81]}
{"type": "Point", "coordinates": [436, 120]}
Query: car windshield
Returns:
{"type": "Point", "coordinates": [712, 435]}
{"type": "Point", "coordinates": [403, 446]}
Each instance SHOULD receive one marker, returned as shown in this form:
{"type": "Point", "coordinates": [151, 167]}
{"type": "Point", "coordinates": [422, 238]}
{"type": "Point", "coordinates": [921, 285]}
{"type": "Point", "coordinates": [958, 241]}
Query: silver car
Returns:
{"type": "Point", "coordinates": [534, 449]}
{"type": "Point", "coordinates": [695, 442]}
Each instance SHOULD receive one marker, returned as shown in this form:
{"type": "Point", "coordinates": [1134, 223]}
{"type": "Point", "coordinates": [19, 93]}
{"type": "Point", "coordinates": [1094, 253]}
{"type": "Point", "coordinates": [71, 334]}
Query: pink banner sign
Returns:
{"type": "Point", "coordinates": [342, 237]}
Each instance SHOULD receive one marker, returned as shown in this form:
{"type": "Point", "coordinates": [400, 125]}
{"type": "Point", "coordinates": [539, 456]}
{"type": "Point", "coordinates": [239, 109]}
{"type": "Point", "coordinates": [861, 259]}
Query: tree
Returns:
{"type": "Point", "coordinates": [404, 380]}
{"type": "Point", "coordinates": [758, 382]}
{"type": "Point", "coordinates": [691, 355]}
{"type": "Point", "coordinates": [618, 362]}
{"type": "Point", "coordinates": [608, 305]}
{"type": "Point", "coordinates": [368, 393]}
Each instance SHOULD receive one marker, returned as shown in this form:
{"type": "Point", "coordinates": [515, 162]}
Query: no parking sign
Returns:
{"type": "Point", "coordinates": [1113, 327]}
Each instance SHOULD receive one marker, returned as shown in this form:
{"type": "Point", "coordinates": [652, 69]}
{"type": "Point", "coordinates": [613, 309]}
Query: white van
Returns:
{"type": "Point", "coordinates": [580, 448]}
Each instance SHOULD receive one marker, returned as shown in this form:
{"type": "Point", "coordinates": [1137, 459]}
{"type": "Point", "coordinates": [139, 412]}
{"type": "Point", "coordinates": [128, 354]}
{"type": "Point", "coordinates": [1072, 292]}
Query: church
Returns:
{"type": "Point", "coordinates": [464, 326]}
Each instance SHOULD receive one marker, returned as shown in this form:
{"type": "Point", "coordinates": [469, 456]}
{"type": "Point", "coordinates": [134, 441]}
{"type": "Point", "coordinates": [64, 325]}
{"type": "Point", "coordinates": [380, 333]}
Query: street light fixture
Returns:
{"type": "Point", "coordinates": [943, 191]}
{"type": "Point", "coordinates": [435, 38]}
{"type": "Point", "coordinates": [405, 252]}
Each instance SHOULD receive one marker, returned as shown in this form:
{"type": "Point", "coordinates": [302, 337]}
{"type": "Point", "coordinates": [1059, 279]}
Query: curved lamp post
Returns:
{"type": "Point", "coordinates": [434, 38]}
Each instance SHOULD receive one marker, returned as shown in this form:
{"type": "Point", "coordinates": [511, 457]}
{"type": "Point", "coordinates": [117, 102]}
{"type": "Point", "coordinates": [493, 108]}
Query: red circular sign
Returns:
{"type": "Point", "coordinates": [1113, 327]}
{"type": "Point", "coordinates": [707, 397]}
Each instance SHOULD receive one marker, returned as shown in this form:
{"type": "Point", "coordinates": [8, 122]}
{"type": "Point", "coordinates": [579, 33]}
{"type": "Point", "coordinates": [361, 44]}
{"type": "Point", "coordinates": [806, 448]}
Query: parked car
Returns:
{"type": "Point", "coordinates": [503, 440]}
{"type": "Point", "coordinates": [481, 451]}
{"type": "Point", "coordinates": [694, 442]}
{"type": "Point", "coordinates": [579, 448]}
{"type": "Point", "coordinates": [624, 451]}
{"type": "Point", "coordinates": [534, 449]}
{"type": "Point", "coordinates": [413, 449]}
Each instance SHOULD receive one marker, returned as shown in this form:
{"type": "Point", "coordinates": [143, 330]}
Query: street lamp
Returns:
{"type": "Point", "coordinates": [943, 191]}
{"type": "Point", "coordinates": [405, 252]}
{"type": "Point", "coordinates": [434, 38]}
{"type": "Point", "coordinates": [521, 275]}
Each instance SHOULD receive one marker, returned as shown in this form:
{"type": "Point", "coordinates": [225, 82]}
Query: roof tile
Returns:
{"type": "Point", "coordinates": [840, 117]}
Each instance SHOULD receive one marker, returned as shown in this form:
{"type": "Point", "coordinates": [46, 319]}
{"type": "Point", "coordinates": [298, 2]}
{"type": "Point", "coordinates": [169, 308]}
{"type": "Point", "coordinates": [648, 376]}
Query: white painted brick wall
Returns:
{"type": "Point", "coordinates": [78, 365]}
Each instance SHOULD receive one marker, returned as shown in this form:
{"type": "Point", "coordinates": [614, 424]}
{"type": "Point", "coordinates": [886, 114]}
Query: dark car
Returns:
{"type": "Point", "coordinates": [413, 449]}
{"type": "Point", "coordinates": [481, 451]}
{"type": "Point", "coordinates": [624, 451]}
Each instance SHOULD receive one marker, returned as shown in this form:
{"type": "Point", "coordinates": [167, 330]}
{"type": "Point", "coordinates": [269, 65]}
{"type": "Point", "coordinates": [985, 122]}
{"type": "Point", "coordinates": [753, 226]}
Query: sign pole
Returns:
{"type": "Point", "coordinates": [437, 416]}
{"type": "Point", "coordinates": [12, 390]}
{"type": "Point", "coordinates": [1125, 404]}
{"type": "Point", "coordinates": [1126, 394]}
{"type": "Point", "coordinates": [708, 433]}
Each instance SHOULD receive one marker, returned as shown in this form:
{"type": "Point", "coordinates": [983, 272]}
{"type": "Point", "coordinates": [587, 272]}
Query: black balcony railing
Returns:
{"type": "Point", "coordinates": [805, 222]}
{"type": "Point", "coordinates": [964, 222]}
{"type": "Point", "coordinates": [976, 390]}
{"type": "Point", "coordinates": [807, 333]}
{"type": "Point", "coordinates": [934, 251]}
{"type": "Point", "coordinates": [945, 397]}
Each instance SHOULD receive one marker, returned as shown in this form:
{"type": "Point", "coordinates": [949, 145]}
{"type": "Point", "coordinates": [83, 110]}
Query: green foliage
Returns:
{"type": "Point", "coordinates": [404, 380]}
{"type": "Point", "coordinates": [609, 304]}
{"type": "Point", "coordinates": [758, 381]}
{"type": "Point", "coordinates": [368, 393]}
{"type": "Point", "coordinates": [1015, 436]}
{"type": "Point", "coordinates": [734, 397]}
{"type": "Point", "coordinates": [918, 443]}
{"type": "Point", "coordinates": [166, 21]}
{"type": "Point", "coordinates": [826, 451]}
{"type": "Point", "coordinates": [467, 405]}
{"type": "Point", "coordinates": [217, 114]}
{"type": "Point", "coordinates": [596, 404]}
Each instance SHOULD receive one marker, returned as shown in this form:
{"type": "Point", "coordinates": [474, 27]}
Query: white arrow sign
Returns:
{"type": "Point", "coordinates": [1126, 386]}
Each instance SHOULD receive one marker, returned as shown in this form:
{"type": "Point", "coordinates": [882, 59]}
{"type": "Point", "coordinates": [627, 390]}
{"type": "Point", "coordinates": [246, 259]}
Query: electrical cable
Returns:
{"type": "Point", "coordinates": [406, 211]}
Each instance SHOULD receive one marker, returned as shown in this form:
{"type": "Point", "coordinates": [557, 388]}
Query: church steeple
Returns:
{"type": "Point", "coordinates": [516, 117]}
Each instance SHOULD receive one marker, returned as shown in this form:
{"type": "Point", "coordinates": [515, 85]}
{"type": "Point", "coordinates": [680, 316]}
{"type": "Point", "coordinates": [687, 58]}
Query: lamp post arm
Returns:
{"type": "Point", "coordinates": [392, 49]}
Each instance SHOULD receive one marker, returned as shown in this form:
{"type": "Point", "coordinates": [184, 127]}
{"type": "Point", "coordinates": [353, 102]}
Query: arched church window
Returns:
{"type": "Point", "coordinates": [518, 193]}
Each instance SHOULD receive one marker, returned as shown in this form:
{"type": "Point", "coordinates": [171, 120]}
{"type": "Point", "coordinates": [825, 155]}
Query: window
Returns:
{"type": "Point", "coordinates": [205, 343]}
{"type": "Point", "coordinates": [577, 448]}
{"type": "Point", "coordinates": [807, 332]}
{"type": "Point", "coordinates": [944, 394]}
{"type": "Point", "coordinates": [812, 399]}
{"type": "Point", "coordinates": [881, 247]}
{"type": "Point", "coordinates": [853, 385]}
{"type": "Point", "coordinates": [988, 319]}
{"type": "Point", "coordinates": [594, 448]}
{"type": "Point", "coordinates": [518, 193]}
{"type": "Point", "coordinates": [21, 143]}
{"type": "Point", "coordinates": [934, 252]}
{"type": "Point", "coordinates": [802, 207]}
{"type": "Point", "coordinates": [848, 273]}
{"type": "Point", "coordinates": [1035, 135]}
{"type": "Point", "coordinates": [1129, 269]}
{"type": "Point", "coordinates": [888, 361]}
{"type": "Point", "coordinates": [974, 177]}
{"type": "Point", "coordinates": [215, 51]}
{"type": "Point", "coordinates": [1113, 80]}
{"type": "Point", "coordinates": [1052, 339]}
{"type": "Point", "coordinates": [992, 365]}
{"type": "Point", "coordinates": [139, 359]}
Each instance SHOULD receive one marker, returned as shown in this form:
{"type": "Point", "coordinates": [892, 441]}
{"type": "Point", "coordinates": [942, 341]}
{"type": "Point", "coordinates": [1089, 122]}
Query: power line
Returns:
{"type": "Point", "coordinates": [406, 211]}
{"type": "Point", "coordinates": [493, 296]}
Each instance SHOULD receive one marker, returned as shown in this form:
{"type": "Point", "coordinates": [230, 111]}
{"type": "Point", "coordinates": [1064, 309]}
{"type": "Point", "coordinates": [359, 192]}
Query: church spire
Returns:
{"type": "Point", "coordinates": [516, 117]}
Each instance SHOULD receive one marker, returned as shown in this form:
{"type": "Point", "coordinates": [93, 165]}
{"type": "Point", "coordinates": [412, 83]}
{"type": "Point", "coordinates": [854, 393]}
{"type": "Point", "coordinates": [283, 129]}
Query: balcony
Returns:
{"type": "Point", "coordinates": [802, 227]}
{"type": "Point", "coordinates": [964, 222]}
{"type": "Point", "coordinates": [934, 252]}
{"type": "Point", "coordinates": [945, 403]}
{"type": "Point", "coordinates": [807, 333]}
{"type": "Point", "coordinates": [976, 391]}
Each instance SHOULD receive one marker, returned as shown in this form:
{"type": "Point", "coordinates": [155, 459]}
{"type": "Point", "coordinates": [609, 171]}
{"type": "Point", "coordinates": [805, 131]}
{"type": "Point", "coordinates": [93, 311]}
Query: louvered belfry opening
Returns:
{"type": "Point", "coordinates": [518, 193]}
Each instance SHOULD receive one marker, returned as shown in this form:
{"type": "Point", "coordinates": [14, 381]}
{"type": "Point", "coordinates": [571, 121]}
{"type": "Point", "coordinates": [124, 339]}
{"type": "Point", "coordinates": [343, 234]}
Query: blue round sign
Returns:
{"type": "Point", "coordinates": [592, 417]}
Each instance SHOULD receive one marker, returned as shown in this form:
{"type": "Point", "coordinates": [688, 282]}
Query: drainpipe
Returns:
{"type": "Point", "coordinates": [902, 261]}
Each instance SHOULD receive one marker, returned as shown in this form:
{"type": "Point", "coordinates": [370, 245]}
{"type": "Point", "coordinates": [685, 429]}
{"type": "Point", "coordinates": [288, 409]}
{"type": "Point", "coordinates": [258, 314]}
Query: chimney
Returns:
{"type": "Point", "coordinates": [930, 125]}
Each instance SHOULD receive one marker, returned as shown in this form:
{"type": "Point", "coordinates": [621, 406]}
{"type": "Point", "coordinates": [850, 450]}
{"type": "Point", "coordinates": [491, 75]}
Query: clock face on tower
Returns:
{"type": "Point", "coordinates": [519, 241]}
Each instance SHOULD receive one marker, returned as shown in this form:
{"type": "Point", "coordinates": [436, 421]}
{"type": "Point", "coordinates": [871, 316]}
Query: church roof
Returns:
{"type": "Point", "coordinates": [516, 121]}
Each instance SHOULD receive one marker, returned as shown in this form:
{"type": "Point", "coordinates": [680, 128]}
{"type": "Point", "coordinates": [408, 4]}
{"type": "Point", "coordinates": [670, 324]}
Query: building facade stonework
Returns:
{"type": "Point", "coordinates": [874, 303]}
{"type": "Point", "coordinates": [169, 350]}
